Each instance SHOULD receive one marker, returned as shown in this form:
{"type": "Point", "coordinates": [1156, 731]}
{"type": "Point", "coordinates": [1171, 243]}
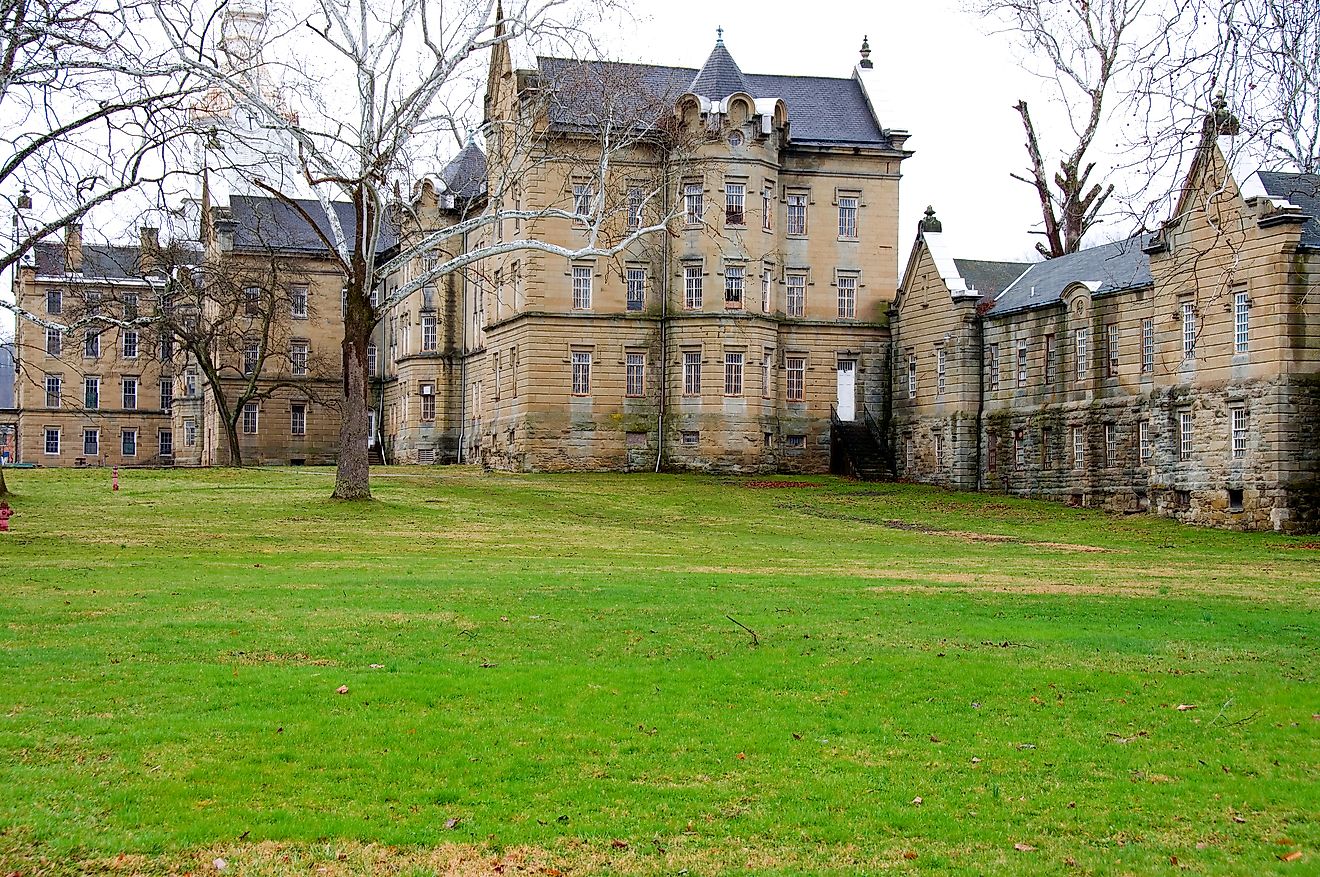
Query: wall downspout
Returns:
{"type": "Point", "coordinates": [978, 327]}
{"type": "Point", "coordinates": [664, 317]}
{"type": "Point", "coordinates": [462, 362]}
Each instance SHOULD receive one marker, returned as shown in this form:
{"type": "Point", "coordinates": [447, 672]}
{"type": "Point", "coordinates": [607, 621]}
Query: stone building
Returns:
{"type": "Point", "coordinates": [1176, 372]}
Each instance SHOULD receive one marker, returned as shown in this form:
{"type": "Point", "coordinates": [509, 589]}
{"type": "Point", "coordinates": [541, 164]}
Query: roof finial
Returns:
{"type": "Point", "coordinates": [930, 223]}
{"type": "Point", "coordinates": [472, 137]}
{"type": "Point", "coordinates": [719, 36]}
{"type": "Point", "coordinates": [1220, 120]}
{"type": "Point", "coordinates": [866, 53]}
{"type": "Point", "coordinates": [24, 198]}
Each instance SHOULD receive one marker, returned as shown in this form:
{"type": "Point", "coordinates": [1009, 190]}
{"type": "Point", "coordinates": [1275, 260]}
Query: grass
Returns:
{"type": "Point", "coordinates": [542, 676]}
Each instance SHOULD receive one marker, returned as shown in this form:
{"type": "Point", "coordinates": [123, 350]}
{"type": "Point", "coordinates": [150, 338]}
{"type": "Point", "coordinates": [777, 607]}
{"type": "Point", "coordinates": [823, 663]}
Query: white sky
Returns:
{"type": "Point", "coordinates": [942, 75]}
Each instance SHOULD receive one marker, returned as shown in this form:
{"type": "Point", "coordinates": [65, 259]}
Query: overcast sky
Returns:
{"type": "Point", "coordinates": [943, 76]}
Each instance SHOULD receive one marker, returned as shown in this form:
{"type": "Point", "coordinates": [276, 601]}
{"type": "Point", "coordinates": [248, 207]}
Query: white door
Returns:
{"type": "Point", "coordinates": [847, 389]}
{"type": "Point", "coordinates": [371, 427]}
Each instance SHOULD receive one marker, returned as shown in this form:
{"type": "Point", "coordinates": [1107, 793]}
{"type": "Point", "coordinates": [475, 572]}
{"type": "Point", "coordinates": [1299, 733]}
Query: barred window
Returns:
{"type": "Point", "coordinates": [939, 372]}
{"type": "Point", "coordinates": [847, 296]}
{"type": "Point", "coordinates": [1111, 342]}
{"type": "Point", "coordinates": [250, 413]}
{"type": "Point", "coordinates": [1019, 450]}
{"type": "Point", "coordinates": [430, 332]}
{"type": "Point", "coordinates": [691, 373]}
{"type": "Point", "coordinates": [582, 202]}
{"type": "Point", "coordinates": [298, 302]}
{"type": "Point", "coordinates": [1143, 440]}
{"type": "Point", "coordinates": [734, 281]}
{"type": "Point", "coordinates": [1049, 358]}
{"type": "Point", "coordinates": [1184, 435]}
{"type": "Point", "coordinates": [1147, 345]}
{"type": "Point", "coordinates": [634, 208]}
{"type": "Point", "coordinates": [1241, 321]}
{"type": "Point", "coordinates": [636, 281]}
{"type": "Point", "coordinates": [581, 287]}
{"type": "Point", "coordinates": [733, 374]}
{"type": "Point", "coordinates": [993, 366]}
{"type": "Point", "coordinates": [795, 378]}
{"type": "Point", "coordinates": [251, 354]}
{"type": "Point", "coordinates": [848, 217]}
{"type": "Point", "coordinates": [636, 374]}
{"type": "Point", "coordinates": [581, 372]}
{"type": "Point", "coordinates": [1080, 342]}
{"type": "Point", "coordinates": [797, 214]}
{"type": "Point", "coordinates": [1189, 329]}
{"type": "Point", "coordinates": [912, 374]}
{"type": "Point", "coordinates": [1079, 447]}
{"type": "Point", "coordinates": [1111, 444]}
{"type": "Point", "coordinates": [735, 198]}
{"type": "Point", "coordinates": [1239, 433]}
{"type": "Point", "coordinates": [693, 203]}
{"type": "Point", "coordinates": [298, 354]}
{"type": "Point", "coordinates": [1022, 365]}
{"type": "Point", "coordinates": [692, 287]}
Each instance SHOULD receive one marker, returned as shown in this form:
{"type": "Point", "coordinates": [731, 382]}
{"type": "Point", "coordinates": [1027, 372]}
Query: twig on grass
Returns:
{"type": "Point", "coordinates": [756, 641]}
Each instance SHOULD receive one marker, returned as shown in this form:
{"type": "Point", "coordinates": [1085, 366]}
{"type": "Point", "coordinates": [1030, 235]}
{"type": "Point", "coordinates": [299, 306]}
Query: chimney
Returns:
{"type": "Point", "coordinates": [225, 227]}
{"type": "Point", "coordinates": [929, 223]}
{"type": "Point", "coordinates": [866, 54]}
{"type": "Point", "coordinates": [73, 256]}
{"type": "Point", "coordinates": [148, 248]}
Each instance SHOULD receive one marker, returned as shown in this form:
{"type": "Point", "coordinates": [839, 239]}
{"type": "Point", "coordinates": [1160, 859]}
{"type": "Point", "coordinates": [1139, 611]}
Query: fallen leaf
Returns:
{"type": "Point", "coordinates": [552, 872]}
{"type": "Point", "coordinates": [1286, 842]}
{"type": "Point", "coordinates": [1184, 707]}
{"type": "Point", "coordinates": [1291, 857]}
{"type": "Point", "coordinates": [797, 736]}
{"type": "Point", "coordinates": [343, 689]}
{"type": "Point", "coordinates": [1173, 860]}
{"type": "Point", "coordinates": [975, 760]}
{"type": "Point", "coordinates": [220, 864]}
{"type": "Point", "coordinates": [1238, 819]}
{"type": "Point", "coordinates": [378, 666]}
{"type": "Point", "coordinates": [619, 844]}
{"type": "Point", "coordinates": [909, 854]}
{"type": "Point", "coordinates": [1070, 861]}
{"type": "Point", "coordinates": [934, 739]}
{"type": "Point", "coordinates": [742, 756]}
{"type": "Point", "coordinates": [1024, 848]}
{"type": "Point", "coordinates": [504, 618]}
{"type": "Point", "coordinates": [917, 801]}
{"type": "Point", "coordinates": [1072, 805]}
{"type": "Point", "coordinates": [452, 822]}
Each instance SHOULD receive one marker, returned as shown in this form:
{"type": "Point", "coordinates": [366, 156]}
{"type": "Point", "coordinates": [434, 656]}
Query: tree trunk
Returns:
{"type": "Point", "coordinates": [235, 452]}
{"type": "Point", "coordinates": [4, 488]}
{"type": "Point", "coordinates": [352, 479]}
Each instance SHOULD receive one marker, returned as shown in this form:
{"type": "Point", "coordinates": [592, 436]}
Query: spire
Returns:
{"type": "Point", "coordinates": [720, 76]}
{"type": "Point", "coordinates": [930, 223]}
{"type": "Point", "coordinates": [866, 53]}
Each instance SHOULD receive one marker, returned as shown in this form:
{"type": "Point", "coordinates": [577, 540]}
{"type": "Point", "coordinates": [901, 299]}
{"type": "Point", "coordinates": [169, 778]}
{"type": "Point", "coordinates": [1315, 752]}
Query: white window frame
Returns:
{"type": "Point", "coordinates": [912, 373]}
{"type": "Point", "coordinates": [767, 364]}
{"type": "Point", "coordinates": [694, 203]}
{"type": "Point", "coordinates": [129, 389]}
{"type": "Point", "coordinates": [166, 394]}
{"type": "Point", "coordinates": [735, 205]}
{"type": "Point", "coordinates": [735, 286]}
{"type": "Point", "coordinates": [165, 441]}
{"type": "Point", "coordinates": [940, 377]}
{"type": "Point", "coordinates": [190, 432]}
{"type": "Point", "coordinates": [129, 337]}
{"type": "Point", "coordinates": [795, 378]}
{"type": "Point", "coordinates": [635, 294]}
{"type": "Point", "coordinates": [1189, 329]}
{"type": "Point", "coordinates": [733, 373]}
{"type": "Point", "coordinates": [584, 203]}
{"type": "Point", "coordinates": [46, 445]}
{"type": "Point", "coordinates": [1241, 321]}
{"type": "Point", "coordinates": [692, 373]}
{"type": "Point", "coordinates": [796, 225]}
{"type": "Point", "coordinates": [91, 393]}
{"type": "Point", "coordinates": [251, 418]}
{"type": "Point", "coordinates": [1147, 345]}
{"type": "Point", "coordinates": [767, 288]}
{"type": "Point", "coordinates": [848, 210]}
{"type": "Point", "coordinates": [94, 444]}
{"type": "Point", "coordinates": [1081, 340]}
{"type": "Point", "coordinates": [299, 352]}
{"type": "Point", "coordinates": [1186, 435]}
{"type": "Point", "coordinates": [1019, 450]}
{"type": "Point", "coordinates": [795, 294]}
{"type": "Point", "coordinates": [1144, 449]}
{"type": "Point", "coordinates": [1022, 363]}
{"type": "Point", "coordinates": [54, 342]}
{"type": "Point", "coordinates": [1111, 444]}
{"type": "Point", "coordinates": [298, 301]}
{"type": "Point", "coordinates": [581, 362]}
{"type": "Point", "coordinates": [634, 375]}
{"type": "Point", "coordinates": [847, 289]}
{"type": "Point", "coordinates": [1111, 344]}
{"type": "Point", "coordinates": [692, 287]}
{"type": "Point", "coordinates": [1238, 432]}
{"type": "Point", "coordinates": [582, 287]}
{"type": "Point", "coordinates": [427, 391]}
{"type": "Point", "coordinates": [54, 391]}
{"type": "Point", "coordinates": [1078, 447]}
{"type": "Point", "coordinates": [125, 435]}
{"type": "Point", "coordinates": [635, 201]}
{"type": "Point", "coordinates": [251, 356]}
{"type": "Point", "coordinates": [430, 332]}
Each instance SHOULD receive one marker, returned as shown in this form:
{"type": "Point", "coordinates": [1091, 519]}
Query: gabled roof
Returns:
{"type": "Point", "coordinates": [1301, 190]}
{"type": "Point", "coordinates": [99, 261]}
{"type": "Point", "coordinates": [822, 111]}
{"type": "Point", "coordinates": [989, 278]}
{"type": "Point", "coordinates": [465, 175]}
{"type": "Point", "coordinates": [1104, 269]}
{"type": "Point", "coordinates": [267, 223]}
{"type": "Point", "coordinates": [720, 76]}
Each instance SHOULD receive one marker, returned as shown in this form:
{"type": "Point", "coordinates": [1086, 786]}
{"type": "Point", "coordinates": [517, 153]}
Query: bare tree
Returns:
{"type": "Point", "coordinates": [355, 128]}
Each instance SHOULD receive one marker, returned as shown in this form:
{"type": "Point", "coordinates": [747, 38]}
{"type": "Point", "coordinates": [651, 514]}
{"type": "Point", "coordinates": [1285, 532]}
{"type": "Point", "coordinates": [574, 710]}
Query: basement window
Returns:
{"type": "Point", "coordinates": [795, 442]}
{"type": "Point", "coordinates": [689, 438]}
{"type": "Point", "coordinates": [1182, 499]}
{"type": "Point", "coordinates": [1234, 499]}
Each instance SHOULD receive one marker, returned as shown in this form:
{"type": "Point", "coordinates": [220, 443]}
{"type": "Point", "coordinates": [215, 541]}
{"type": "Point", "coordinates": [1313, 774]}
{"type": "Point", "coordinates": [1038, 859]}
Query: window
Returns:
{"type": "Point", "coordinates": [53, 387]}
{"type": "Point", "coordinates": [498, 360]}
{"type": "Point", "coordinates": [91, 393]}
{"type": "Point", "coordinates": [634, 208]}
{"type": "Point", "coordinates": [848, 217]}
{"type": "Point", "coordinates": [912, 373]}
{"type": "Point", "coordinates": [1111, 344]}
{"type": "Point", "coordinates": [298, 302]}
{"type": "Point", "coordinates": [130, 306]}
{"type": "Point", "coordinates": [795, 378]}
{"type": "Point", "coordinates": [190, 383]}
{"type": "Point", "coordinates": [1189, 329]}
{"type": "Point", "coordinates": [251, 354]}
{"type": "Point", "coordinates": [635, 374]}
{"type": "Point", "coordinates": [692, 373]}
{"type": "Point", "coordinates": [733, 374]}
{"type": "Point", "coordinates": [689, 438]}
{"type": "Point", "coordinates": [1022, 365]}
{"type": "Point", "coordinates": [992, 453]}
{"type": "Point", "coordinates": [165, 442]}
{"type": "Point", "coordinates": [250, 413]}
{"type": "Point", "coordinates": [427, 392]}
{"type": "Point", "coordinates": [1049, 358]}
{"type": "Point", "coordinates": [693, 206]}
{"type": "Point", "coordinates": [1078, 447]}
{"type": "Point", "coordinates": [1241, 320]}
{"type": "Point", "coordinates": [52, 442]}
{"type": "Point", "coordinates": [1143, 441]}
{"type": "Point", "coordinates": [993, 367]}
{"type": "Point", "coordinates": [581, 372]}
{"type": "Point", "coordinates": [692, 287]}
{"type": "Point", "coordinates": [1047, 448]}
{"type": "Point", "coordinates": [847, 296]}
{"type": "Point", "coordinates": [767, 208]}
{"type": "Point", "coordinates": [128, 442]}
{"type": "Point", "coordinates": [734, 276]}
{"type": "Point", "coordinates": [373, 359]}
{"type": "Point", "coordinates": [298, 358]}
{"type": "Point", "coordinates": [1080, 341]}
{"type": "Point", "coordinates": [1184, 435]}
{"type": "Point", "coordinates": [252, 300]}
{"type": "Point", "coordinates": [795, 442]}
{"type": "Point", "coordinates": [1019, 450]}
{"type": "Point", "coordinates": [166, 394]}
{"type": "Point", "coordinates": [636, 282]}
{"type": "Point", "coordinates": [1235, 496]}
{"type": "Point", "coordinates": [1147, 345]}
{"type": "Point", "coordinates": [766, 360]}
{"type": "Point", "coordinates": [767, 282]}
{"type": "Point", "coordinates": [797, 214]}
{"type": "Point", "coordinates": [91, 443]}
{"type": "Point", "coordinates": [92, 344]}
{"type": "Point", "coordinates": [795, 297]}
{"type": "Point", "coordinates": [166, 346]}
{"type": "Point", "coordinates": [190, 432]}
{"type": "Point", "coordinates": [130, 337]}
{"type": "Point", "coordinates": [735, 197]}
{"type": "Point", "coordinates": [54, 301]}
{"type": "Point", "coordinates": [1239, 416]}
{"type": "Point", "coordinates": [582, 202]}
{"type": "Point", "coordinates": [54, 342]}
{"type": "Point", "coordinates": [429, 330]}
{"type": "Point", "coordinates": [1111, 444]}
{"type": "Point", "coordinates": [939, 372]}
{"type": "Point", "coordinates": [130, 393]}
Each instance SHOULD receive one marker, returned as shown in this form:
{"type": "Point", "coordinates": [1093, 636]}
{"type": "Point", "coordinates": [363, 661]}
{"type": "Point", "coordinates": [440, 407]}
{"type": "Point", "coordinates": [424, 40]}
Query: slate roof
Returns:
{"type": "Point", "coordinates": [1107, 268]}
{"type": "Point", "coordinates": [100, 262]}
{"type": "Point", "coordinates": [822, 110]}
{"type": "Point", "coordinates": [989, 278]}
{"type": "Point", "coordinates": [1302, 190]}
{"type": "Point", "coordinates": [267, 223]}
{"type": "Point", "coordinates": [465, 175]}
{"type": "Point", "coordinates": [720, 76]}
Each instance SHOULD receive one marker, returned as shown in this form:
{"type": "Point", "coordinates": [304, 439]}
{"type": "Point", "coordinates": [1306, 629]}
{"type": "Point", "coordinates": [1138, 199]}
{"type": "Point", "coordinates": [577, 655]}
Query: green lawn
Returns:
{"type": "Point", "coordinates": [548, 660]}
